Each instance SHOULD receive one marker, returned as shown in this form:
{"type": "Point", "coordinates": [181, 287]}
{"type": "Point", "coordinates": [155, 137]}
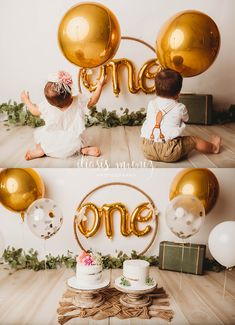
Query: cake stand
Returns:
{"type": "Point", "coordinates": [135, 297]}
{"type": "Point", "coordinates": [89, 296]}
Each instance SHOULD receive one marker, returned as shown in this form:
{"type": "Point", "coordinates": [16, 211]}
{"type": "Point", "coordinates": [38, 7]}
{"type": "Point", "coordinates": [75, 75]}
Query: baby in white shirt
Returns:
{"type": "Point", "coordinates": [164, 124]}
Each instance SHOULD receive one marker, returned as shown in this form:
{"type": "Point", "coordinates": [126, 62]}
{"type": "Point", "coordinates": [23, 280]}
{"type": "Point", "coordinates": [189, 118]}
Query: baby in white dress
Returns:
{"type": "Point", "coordinates": [62, 135]}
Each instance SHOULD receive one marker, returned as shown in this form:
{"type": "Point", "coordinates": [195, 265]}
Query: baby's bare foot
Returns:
{"type": "Point", "coordinates": [35, 153]}
{"type": "Point", "coordinates": [216, 140]}
{"type": "Point", "coordinates": [91, 151]}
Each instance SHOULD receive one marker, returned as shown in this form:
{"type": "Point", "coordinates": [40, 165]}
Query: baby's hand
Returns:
{"type": "Point", "coordinates": [102, 81]}
{"type": "Point", "coordinates": [25, 96]}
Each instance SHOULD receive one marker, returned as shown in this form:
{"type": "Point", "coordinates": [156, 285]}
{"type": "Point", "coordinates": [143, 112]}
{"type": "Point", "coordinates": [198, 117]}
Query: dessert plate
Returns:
{"type": "Point", "coordinates": [74, 284]}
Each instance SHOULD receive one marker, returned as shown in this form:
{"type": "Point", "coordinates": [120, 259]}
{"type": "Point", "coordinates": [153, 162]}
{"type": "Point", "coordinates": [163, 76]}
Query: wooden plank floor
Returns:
{"type": "Point", "coordinates": [31, 298]}
{"type": "Point", "coordinates": [120, 147]}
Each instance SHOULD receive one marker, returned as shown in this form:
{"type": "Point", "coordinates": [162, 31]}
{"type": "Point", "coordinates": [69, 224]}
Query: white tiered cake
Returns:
{"type": "Point", "coordinates": [135, 276]}
{"type": "Point", "coordinates": [136, 272]}
{"type": "Point", "coordinates": [89, 269]}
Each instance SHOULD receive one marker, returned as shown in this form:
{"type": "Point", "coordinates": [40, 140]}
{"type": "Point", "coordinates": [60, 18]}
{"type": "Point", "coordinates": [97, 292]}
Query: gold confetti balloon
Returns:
{"type": "Point", "coordinates": [19, 187]}
{"type": "Point", "coordinates": [188, 43]}
{"type": "Point", "coordinates": [185, 215]}
{"type": "Point", "coordinates": [200, 182]}
{"type": "Point", "coordinates": [89, 35]}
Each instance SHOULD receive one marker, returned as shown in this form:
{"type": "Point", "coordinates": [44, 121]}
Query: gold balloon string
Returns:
{"type": "Point", "coordinates": [118, 184]}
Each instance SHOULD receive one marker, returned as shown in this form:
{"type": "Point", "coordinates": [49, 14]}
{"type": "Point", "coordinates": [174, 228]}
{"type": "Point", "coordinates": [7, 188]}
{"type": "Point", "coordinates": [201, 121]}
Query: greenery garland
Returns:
{"type": "Point", "coordinates": [109, 119]}
{"type": "Point", "coordinates": [17, 114]}
{"type": "Point", "coordinates": [18, 259]}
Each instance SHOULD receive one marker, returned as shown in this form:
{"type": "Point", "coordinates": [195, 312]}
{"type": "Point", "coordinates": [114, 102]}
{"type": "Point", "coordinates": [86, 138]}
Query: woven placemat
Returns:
{"type": "Point", "coordinates": [113, 308]}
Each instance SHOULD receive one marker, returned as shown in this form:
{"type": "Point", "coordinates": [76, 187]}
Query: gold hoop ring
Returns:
{"type": "Point", "coordinates": [115, 184]}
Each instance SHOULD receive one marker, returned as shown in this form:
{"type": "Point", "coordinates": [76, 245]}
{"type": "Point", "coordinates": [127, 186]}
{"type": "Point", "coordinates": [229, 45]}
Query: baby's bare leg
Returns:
{"type": "Point", "coordinates": [91, 151]}
{"type": "Point", "coordinates": [35, 153]}
{"type": "Point", "coordinates": [207, 147]}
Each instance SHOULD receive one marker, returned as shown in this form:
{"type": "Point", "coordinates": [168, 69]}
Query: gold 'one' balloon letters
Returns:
{"type": "Point", "coordinates": [129, 224]}
{"type": "Point", "coordinates": [138, 82]}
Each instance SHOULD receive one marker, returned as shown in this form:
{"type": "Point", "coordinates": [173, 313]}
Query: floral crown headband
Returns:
{"type": "Point", "coordinates": [62, 82]}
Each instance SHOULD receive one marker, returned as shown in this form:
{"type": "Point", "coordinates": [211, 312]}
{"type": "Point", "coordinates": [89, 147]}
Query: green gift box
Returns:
{"type": "Point", "coordinates": [187, 258]}
{"type": "Point", "coordinates": [200, 108]}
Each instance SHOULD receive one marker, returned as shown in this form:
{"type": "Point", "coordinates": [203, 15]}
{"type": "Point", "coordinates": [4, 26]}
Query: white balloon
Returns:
{"type": "Point", "coordinates": [222, 243]}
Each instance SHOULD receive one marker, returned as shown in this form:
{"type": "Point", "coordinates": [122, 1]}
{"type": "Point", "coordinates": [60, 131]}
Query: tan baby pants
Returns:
{"type": "Point", "coordinates": [170, 151]}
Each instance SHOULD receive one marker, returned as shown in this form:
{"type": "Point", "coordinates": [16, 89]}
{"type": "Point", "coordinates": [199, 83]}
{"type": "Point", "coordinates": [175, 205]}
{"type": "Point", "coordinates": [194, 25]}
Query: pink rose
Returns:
{"type": "Point", "coordinates": [88, 260]}
{"type": "Point", "coordinates": [82, 256]}
{"type": "Point", "coordinates": [85, 258]}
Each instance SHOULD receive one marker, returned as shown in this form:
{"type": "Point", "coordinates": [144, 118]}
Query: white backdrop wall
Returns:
{"type": "Point", "coordinates": [29, 50]}
{"type": "Point", "coordinates": [68, 186]}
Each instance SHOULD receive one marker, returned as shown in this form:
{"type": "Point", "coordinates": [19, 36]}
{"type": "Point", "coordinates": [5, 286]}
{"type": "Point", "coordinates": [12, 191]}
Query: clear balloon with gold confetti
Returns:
{"type": "Point", "coordinates": [44, 218]}
{"type": "Point", "coordinates": [185, 215]}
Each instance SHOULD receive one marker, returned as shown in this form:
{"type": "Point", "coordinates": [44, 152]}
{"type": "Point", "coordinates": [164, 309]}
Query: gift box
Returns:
{"type": "Point", "coordinates": [200, 108]}
{"type": "Point", "coordinates": [187, 258]}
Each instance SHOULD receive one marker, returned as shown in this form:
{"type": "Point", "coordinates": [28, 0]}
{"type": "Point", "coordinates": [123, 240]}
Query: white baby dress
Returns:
{"type": "Point", "coordinates": [61, 136]}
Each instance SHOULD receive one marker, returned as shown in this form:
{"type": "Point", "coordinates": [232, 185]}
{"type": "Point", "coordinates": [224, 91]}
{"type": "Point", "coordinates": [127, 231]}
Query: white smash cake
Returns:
{"type": "Point", "coordinates": [136, 274]}
{"type": "Point", "coordinates": [89, 269]}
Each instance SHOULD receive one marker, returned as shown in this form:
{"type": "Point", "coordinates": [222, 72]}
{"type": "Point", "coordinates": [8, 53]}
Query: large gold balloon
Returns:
{"type": "Point", "coordinates": [19, 187]}
{"type": "Point", "coordinates": [188, 43]}
{"type": "Point", "coordinates": [89, 35]}
{"type": "Point", "coordinates": [200, 182]}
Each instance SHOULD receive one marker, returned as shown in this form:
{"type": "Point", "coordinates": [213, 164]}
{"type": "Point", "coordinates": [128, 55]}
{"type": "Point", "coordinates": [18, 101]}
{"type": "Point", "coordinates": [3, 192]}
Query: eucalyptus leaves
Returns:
{"type": "Point", "coordinates": [149, 281]}
{"type": "Point", "coordinates": [109, 119]}
{"type": "Point", "coordinates": [19, 259]}
{"type": "Point", "coordinates": [124, 282]}
{"type": "Point", "coordinates": [16, 114]}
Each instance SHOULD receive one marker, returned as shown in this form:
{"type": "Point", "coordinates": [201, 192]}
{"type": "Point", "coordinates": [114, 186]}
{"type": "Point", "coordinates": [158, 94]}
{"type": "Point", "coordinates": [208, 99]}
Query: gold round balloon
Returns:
{"type": "Point", "coordinates": [89, 35]}
{"type": "Point", "coordinates": [200, 182]}
{"type": "Point", "coordinates": [19, 187]}
{"type": "Point", "coordinates": [188, 43]}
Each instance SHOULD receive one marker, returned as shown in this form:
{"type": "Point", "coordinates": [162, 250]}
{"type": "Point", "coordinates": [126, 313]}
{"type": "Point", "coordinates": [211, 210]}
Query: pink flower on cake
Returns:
{"type": "Point", "coordinates": [81, 257]}
{"type": "Point", "coordinates": [85, 258]}
{"type": "Point", "coordinates": [88, 260]}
